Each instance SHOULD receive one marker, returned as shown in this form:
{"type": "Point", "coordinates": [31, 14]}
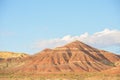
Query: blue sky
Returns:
{"type": "Point", "coordinates": [24, 22]}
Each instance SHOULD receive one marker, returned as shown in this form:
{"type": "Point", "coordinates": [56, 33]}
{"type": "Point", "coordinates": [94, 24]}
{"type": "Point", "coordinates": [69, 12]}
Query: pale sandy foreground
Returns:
{"type": "Point", "coordinates": [71, 76]}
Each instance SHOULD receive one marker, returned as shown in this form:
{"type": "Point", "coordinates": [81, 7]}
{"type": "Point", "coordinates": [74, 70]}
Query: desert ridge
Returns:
{"type": "Point", "coordinates": [72, 57]}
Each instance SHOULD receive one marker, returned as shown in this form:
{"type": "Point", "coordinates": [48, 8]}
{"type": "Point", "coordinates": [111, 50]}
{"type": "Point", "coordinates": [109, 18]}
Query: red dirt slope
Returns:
{"type": "Point", "coordinates": [73, 57]}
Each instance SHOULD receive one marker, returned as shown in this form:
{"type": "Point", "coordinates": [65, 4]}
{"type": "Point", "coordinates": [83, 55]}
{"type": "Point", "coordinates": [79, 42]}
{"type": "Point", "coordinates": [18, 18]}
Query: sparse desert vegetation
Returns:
{"type": "Point", "coordinates": [63, 76]}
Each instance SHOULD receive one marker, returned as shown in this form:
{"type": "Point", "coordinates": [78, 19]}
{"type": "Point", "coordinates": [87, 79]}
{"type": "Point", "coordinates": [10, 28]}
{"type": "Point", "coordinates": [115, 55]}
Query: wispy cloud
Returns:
{"type": "Point", "coordinates": [101, 39]}
{"type": "Point", "coordinates": [6, 33]}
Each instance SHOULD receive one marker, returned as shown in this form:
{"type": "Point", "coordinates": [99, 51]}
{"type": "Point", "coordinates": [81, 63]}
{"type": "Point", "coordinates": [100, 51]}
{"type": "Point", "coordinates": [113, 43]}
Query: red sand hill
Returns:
{"type": "Point", "coordinates": [73, 57]}
{"type": "Point", "coordinates": [114, 70]}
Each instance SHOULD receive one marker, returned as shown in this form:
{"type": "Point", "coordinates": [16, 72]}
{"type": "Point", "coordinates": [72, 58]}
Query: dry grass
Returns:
{"type": "Point", "coordinates": [67, 76]}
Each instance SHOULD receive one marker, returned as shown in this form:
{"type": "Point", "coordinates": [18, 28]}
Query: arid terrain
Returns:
{"type": "Point", "coordinates": [73, 61]}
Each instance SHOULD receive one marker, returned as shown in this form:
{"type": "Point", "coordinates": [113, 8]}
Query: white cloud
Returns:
{"type": "Point", "coordinates": [101, 39]}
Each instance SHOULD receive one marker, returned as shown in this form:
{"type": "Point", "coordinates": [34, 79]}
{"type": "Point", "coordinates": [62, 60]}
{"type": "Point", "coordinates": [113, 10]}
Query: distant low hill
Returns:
{"type": "Point", "coordinates": [6, 55]}
{"type": "Point", "coordinates": [10, 60]}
